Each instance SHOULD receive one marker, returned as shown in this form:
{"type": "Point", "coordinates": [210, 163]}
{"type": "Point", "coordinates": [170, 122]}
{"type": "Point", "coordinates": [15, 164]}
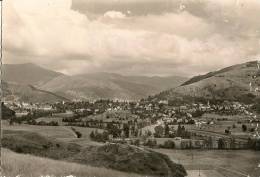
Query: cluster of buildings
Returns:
{"type": "Point", "coordinates": [131, 117]}
{"type": "Point", "coordinates": [23, 109]}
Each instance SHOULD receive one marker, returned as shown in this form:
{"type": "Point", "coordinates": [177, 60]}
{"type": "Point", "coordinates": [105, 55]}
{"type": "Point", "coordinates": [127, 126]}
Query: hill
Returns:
{"type": "Point", "coordinates": [110, 86]}
{"type": "Point", "coordinates": [20, 82]}
{"type": "Point", "coordinates": [29, 82]}
{"type": "Point", "coordinates": [87, 88]}
{"type": "Point", "coordinates": [120, 157]}
{"type": "Point", "coordinates": [131, 158]}
{"type": "Point", "coordinates": [27, 74]}
{"type": "Point", "coordinates": [14, 164]}
{"type": "Point", "coordinates": [6, 112]}
{"type": "Point", "coordinates": [231, 83]}
{"type": "Point", "coordinates": [29, 93]}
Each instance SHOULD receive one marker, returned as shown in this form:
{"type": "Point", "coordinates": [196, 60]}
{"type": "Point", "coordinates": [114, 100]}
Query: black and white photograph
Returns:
{"type": "Point", "coordinates": [130, 88]}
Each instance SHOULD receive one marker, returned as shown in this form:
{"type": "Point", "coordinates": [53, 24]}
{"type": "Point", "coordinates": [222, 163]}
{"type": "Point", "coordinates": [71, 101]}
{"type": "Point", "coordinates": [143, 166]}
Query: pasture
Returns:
{"type": "Point", "coordinates": [14, 164]}
{"type": "Point", "coordinates": [62, 133]}
{"type": "Point", "coordinates": [218, 163]}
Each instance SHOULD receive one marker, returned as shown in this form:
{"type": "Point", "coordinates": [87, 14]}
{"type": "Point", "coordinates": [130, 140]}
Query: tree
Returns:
{"type": "Point", "coordinates": [92, 135]}
{"type": "Point", "coordinates": [159, 130]}
{"type": "Point", "coordinates": [197, 113]}
{"type": "Point", "coordinates": [113, 130]}
{"type": "Point", "coordinates": [7, 113]}
{"type": "Point", "coordinates": [169, 144]}
{"type": "Point", "coordinates": [166, 130]}
{"type": "Point", "coordinates": [149, 133]}
{"type": "Point", "coordinates": [244, 128]}
{"type": "Point", "coordinates": [227, 131]}
{"type": "Point", "coordinates": [179, 131]}
{"type": "Point", "coordinates": [221, 143]}
{"type": "Point", "coordinates": [79, 135]}
{"type": "Point", "coordinates": [151, 143]}
{"type": "Point", "coordinates": [126, 130]}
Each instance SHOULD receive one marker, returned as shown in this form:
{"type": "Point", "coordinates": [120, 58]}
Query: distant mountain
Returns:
{"type": "Point", "coordinates": [30, 82]}
{"type": "Point", "coordinates": [109, 85]}
{"type": "Point", "coordinates": [231, 83]}
{"type": "Point", "coordinates": [27, 73]}
{"type": "Point", "coordinates": [29, 93]}
{"type": "Point", "coordinates": [20, 82]}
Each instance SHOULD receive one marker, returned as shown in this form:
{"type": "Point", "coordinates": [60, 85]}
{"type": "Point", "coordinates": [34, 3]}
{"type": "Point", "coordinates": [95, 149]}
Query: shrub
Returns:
{"type": "Point", "coordinates": [151, 143]}
{"type": "Point", "coordinates": [78, 134]}
{"type": "Point", "coordinates": [244, 128]}
{"type": "Point", "coordinates": [168, 144]}
{"type": "Point", "coordinates": [99, 137]}
{"type": "Point", "coordinates": [136, 142]}
{"type": "Point", "coordinates": [159, 131]}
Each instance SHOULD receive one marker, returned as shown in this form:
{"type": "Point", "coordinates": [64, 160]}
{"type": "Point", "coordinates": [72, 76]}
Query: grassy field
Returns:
{"type": "Point", "coordinates": [204, 173]}
{"type": "Point", "coordinates": [113, 156]}
{"type": "Point", "coordinates": [211, 163]}
{"type": "Point", "coordinates": [63, 133]}
{"type": "Point", "coordinates": [220, 162]}
{"type": "Point", "coordinates": [219, 126]}
{"type": "Point", "coordinates": [49, 119]}
{"type": "Point", "coordinates": [14, 164]}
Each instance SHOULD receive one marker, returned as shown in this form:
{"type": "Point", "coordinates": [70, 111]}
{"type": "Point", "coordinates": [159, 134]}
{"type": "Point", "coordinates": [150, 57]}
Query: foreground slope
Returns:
{"type": "Point", "coordinates": [14, 164]}
{"type": "Point", "coordinates": [239, 83]}
{"type": "Point", "coordinates": [120, 157]}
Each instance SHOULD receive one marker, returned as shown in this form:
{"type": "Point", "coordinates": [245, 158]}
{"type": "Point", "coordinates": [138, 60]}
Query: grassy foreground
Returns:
{"type": "Point", "coordinates": [119, 157]}
{"type": "Point", "coordinates": [14, 164]}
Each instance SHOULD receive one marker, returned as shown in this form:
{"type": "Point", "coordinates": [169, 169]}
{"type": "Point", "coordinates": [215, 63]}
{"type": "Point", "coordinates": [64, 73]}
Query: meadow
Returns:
{"type": "Point", "coordinates": [217, 163]}
{"type": "Point", "coordinates": [14, 164]}
{"type": "Point", "coordinates": [62, 133]}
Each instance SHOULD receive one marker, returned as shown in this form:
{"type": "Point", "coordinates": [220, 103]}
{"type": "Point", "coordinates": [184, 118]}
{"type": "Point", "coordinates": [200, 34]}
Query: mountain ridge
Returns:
{"type": "Point", "coordinates": [239, 82]}
{"type": "Point", "coordinates": [89, 86]}
{"type": "Point", "coordinates": [27, 73]}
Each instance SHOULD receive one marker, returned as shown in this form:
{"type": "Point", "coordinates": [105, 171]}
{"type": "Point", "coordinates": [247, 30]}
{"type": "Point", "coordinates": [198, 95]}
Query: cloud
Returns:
{"type": "Point", "coordinates": [114, 14]}
{"type": "Point", "coordinates": [52, 34]}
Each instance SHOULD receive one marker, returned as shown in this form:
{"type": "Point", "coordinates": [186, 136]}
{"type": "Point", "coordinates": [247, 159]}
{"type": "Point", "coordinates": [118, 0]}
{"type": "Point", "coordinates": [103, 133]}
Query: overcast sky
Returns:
{"type": "Point", "coordinates": [132, 37]}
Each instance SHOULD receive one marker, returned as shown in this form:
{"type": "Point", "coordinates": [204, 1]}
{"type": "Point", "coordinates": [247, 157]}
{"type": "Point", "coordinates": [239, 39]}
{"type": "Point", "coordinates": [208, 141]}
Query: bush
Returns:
{"type": "Point", "coordinates": [197, 113]}
{"type": "Point", "coordinates": [159, 131]}
{"type": "Point", "coordinates": [252, 130]}
{"type": "Point", "coordinates": [244, 128]}
{"type": "Point", "coordinates": [99, 137]}
{"type": "Point", "coordinates": [78, 134]}
{"type": "Point", "coordinates": [168, 144]}
{"type": "Point", "coordinates": [151, 143]}
{"type": "Point", "coordinates": [227, 131]}
{"type": "Point", "coordinates": [136, 142]}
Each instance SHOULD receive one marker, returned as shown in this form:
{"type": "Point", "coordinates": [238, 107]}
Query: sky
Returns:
{"type": "Point", "coordinates": [132, 37]}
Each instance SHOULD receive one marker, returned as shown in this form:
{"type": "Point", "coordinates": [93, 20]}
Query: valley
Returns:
{"type": "Point", "coordinates": [187, 134]}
